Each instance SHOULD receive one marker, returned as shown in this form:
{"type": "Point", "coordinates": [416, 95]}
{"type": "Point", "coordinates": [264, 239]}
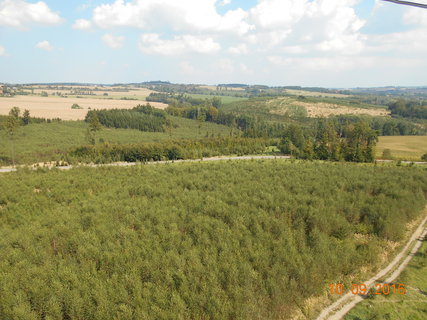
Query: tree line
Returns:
{"type": "Point", "coordinates": [142, 117]}
{"type": "Point", "coordinates": [409, 109]}
{"type": "Point", "coordinates": [172, 150]}
{"type": "Point", "coordinates": [331, 141]}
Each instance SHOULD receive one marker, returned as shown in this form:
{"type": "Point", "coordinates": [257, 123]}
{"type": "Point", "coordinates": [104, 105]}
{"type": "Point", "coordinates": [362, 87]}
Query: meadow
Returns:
{"type": "Point", "coordinates": [224, 99]}
{"type": "Point", "coordinates": [42, 142]}
{"type": "Point", "coordinates": [230, 240]}
{"type": "Point", "coordinates": [403, 147]}
{"type": "Point", "coordinates": [278, 108]}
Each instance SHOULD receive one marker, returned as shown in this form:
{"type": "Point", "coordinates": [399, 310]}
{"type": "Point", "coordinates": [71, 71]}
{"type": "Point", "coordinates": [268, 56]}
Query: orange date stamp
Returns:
{"type": "Point", "coordinates": [362, 289]}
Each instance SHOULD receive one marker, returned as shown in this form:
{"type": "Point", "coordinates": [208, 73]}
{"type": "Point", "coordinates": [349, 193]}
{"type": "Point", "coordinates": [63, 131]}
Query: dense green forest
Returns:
{"type": "Point", "coordinates": [142, 117]}
{"type": "Point", "coordinates": [409, 109]}
{"type": "Point", "coordinates": [331, 141]}
{"type": "Point", "coordinates": [231, 240]}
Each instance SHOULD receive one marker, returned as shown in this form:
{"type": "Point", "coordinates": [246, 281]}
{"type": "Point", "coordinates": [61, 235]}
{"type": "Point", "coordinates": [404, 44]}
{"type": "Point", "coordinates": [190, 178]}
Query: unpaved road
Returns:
{"type": "Point", "coordinates": [343, 305]}
{"type": "Point", "coordinates": [128, 164]}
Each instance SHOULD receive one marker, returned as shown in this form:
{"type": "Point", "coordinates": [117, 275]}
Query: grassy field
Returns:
{"type": "Point", "coordinates": [316, 109]}
{"type": "Point", "coordinates": [315, 94]}
{"type": "Point", "coordinates": [403, 147]}
{"type": "Point", "coordinates": [220, 240]}
{"type": "Point", "coordinates": [224, 99]}
{"type": "Point", "coordinates": [48, 141]}
{"type": "Point", "coordinates": [58, 107]}
{"type": "Point", "coordinates": [292, 107]}
{"type": "Point", "coordinates": [412, 305]}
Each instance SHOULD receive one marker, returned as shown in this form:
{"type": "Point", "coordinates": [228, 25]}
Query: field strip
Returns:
{"type": "Point", "coordinates": [129, 164]}
{"type": "Point", "coordinates": [343, 305]}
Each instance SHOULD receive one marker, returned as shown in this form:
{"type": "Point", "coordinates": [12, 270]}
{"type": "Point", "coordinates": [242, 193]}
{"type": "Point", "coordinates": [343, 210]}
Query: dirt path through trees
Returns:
{"type": "Point", "coordinates": [342, 306]}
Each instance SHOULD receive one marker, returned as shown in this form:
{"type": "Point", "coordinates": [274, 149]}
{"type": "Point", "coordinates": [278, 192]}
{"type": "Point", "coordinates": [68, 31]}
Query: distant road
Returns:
{"type": "Point", "coordinates": [129, 164]}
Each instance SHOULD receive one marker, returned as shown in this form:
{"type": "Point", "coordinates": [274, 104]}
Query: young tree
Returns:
{"type": "Point", "coordinates": [26, 117]}
{"type": "Point", "coordinates": [94, 127]}
{"type": "Point", "coordinates": [15, 112]}
{"type": "Point", "coordinates": [11, 125]}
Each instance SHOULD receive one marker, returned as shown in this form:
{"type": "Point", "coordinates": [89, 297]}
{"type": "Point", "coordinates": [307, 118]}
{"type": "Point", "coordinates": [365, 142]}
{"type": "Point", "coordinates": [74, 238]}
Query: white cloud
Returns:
{"type": "Point", "coordinates": [187, 68]}
{"type": "Point", "coordinates": [240, 49]}
{"type": "Point", "coordinates": [183, 15]}
{"type": "Point", "coordinates": [245, 69]}
{"type": "Point", "coordinates": [2, 51]}
{"type": "Point", "coordinates": [225, 66]}
{"type": "Point", "coordinates": [416, 16]}
{"type": "Point", "coordinates": [224, 2]}
{"type": "Point", "coordinates": [20, 14]}
{"type": "Point", "coordinates": [44, 45]}
{"type": "Point", "coordinates": [112, 41]}
{"type": "Point", "coordinates": [82, 24]}
{"type": "Point", "coordinates": [322, 25]}
{"type": "Point", "coordinates": [151, 43]}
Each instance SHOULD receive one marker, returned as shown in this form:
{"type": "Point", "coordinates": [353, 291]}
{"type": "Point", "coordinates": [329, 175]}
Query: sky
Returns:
{"type": "Point", "coordinates": [325, 43]}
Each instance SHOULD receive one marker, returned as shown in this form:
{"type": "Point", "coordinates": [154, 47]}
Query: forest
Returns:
{"type": "Point", "coordinates": [142, 117]}
{"type": "Point", "coordinates": [331, 141]}
{"type": "Point", "coordinates": [409, 108]}
{"type": "Point", "coordinates": [229, 240]}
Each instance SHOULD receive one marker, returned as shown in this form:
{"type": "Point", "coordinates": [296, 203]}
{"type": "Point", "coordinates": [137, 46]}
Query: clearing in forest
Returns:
{"type": "Point", "coordinates": [292, 107]}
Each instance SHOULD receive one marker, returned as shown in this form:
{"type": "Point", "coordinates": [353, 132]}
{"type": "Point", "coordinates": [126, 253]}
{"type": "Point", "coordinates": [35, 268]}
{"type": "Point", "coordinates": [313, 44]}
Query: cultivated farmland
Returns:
{"type": "Point", "coordinates": [59, 107]}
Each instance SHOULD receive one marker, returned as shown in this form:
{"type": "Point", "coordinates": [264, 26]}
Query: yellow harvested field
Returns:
{"type": "Point", "coordinates": [403, 147]}
{"type": "Point", "coordinates": [57, 107]}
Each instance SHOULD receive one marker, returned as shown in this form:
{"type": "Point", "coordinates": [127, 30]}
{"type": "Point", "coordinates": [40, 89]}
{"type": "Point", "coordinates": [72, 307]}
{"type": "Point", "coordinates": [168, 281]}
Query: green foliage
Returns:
{"type": "Point", "coordinates": [143, 118]}
{"type": "Point", "coordinates": [424, 157]}
{"type": "Point", "coordinates": [76, 106]}
{"type": "Point", "coordinates": [331, 141]}
{"type": "Point", "coordinates": [44, 141]}
{"type": "Point", "coordinates": [26, 119]}
{"type": "Point", "coordinates": [409, 109]}
{"type": "Point", "coordinates": [172, 150]}
{"type": "Point", "coordinates": [230, 240]}
{"type": "Point", "coordinates": [395, 306]}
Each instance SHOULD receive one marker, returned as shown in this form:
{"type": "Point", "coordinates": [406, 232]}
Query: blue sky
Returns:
{"type": "Point", "coordinates": [328, 43]}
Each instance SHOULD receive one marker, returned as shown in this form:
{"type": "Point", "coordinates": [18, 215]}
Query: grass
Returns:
{"type": "Point", "coordinates": [412, 305]}
{"type": "Point", "coordinates": [224, 99]}
{"type": "Point", "coordinates": [403, 147]}
{"type": "Point", "coordinates": [279, 108]}
{"type": "Point", "coordinates": [48, 141]}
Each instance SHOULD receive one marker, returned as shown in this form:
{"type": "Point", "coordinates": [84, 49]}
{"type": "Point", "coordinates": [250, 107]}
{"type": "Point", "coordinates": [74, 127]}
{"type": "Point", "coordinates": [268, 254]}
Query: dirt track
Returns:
{"type": "Point", "coordinates": [342, 306]}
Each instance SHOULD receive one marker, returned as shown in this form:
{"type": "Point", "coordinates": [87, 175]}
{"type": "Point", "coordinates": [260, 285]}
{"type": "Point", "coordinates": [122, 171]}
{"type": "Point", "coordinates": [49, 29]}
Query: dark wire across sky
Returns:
{"type": "Point", "coordinates": [409, 3]}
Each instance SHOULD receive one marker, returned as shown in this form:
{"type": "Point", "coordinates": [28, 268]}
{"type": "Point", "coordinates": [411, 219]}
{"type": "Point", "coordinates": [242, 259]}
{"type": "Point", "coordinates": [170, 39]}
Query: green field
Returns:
{"type": "Point", "coordinates": [403, 147]}
{"type": "Point", "coordinates": [412, 305]}
{"type": "Point", "coordinates": [224, 99]}
{"type": "Point", "coordinates": [228, 240]}
{"type": "Point", "coordinates": [49, 141]}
